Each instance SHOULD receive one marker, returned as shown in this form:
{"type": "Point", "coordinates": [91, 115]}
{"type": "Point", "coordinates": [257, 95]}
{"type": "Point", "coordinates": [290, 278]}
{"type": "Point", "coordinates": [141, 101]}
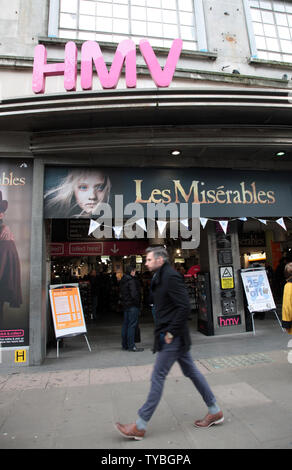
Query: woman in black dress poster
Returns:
{"type": "Point", "coordinates": [10, 281]}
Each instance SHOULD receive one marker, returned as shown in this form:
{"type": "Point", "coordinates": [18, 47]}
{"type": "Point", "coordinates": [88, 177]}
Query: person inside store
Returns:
{"type": "Point", "coordinates": [130, 295]}
{"type": "Point", "coordinates": [10, 276]}
{"type": "Point", "coordinates": [94, 290]}
{"type": "Point", "coordinates": [172, 342]}
{"type": "Point", "coordinates": [78, 194]}
{"type": "Point", "coordinates": [151, 299]}
{"type": "Point", "coordinates": [287, 300]}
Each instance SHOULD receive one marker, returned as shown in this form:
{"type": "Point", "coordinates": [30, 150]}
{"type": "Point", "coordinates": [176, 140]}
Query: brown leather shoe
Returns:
{"type": "Point", "coordinates": [209, 419]}
{"type": "Point", "coordinates": [130, 431]}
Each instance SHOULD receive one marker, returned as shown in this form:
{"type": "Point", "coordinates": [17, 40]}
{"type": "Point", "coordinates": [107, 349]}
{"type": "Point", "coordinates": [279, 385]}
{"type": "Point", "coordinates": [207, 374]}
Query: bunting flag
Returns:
{"type": "Point", "coordinates": [224, 225]}
{"type": "Point", "coordinates": [161, 224]}
{"type": "Point", "coordinates": [282, 223]}
{"type": "Point", "coordinates": [141, 223]}
{"type": "Point", "coordinates": [118, 230]}
{"type": "Point", "coordinates": [203, 221]}
{"type": "Point", "coordinates": [93, 226]}
{"type": "Point", "coordinates": [185, 222]}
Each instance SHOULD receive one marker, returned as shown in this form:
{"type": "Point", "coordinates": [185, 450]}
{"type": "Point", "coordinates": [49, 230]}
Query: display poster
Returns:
{"type": "Point", "coordinates": [74, 192]}
{"type": "Point", "coordinates": [15, 235]}
{"type": "Point", "coordinates": [67, 311]}
{"type": "Point", "coordinates": [257, 289]}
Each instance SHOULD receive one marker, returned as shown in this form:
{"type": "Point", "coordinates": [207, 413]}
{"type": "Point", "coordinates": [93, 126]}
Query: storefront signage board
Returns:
{"type": "Point", "coordinates": [92, 54]}
{"type": "Point", "coordinates": [67, 311]}
{"type": "Point", "coordinates": [123, 248]}
{"type": "Point", "coordinates": [220, 192]}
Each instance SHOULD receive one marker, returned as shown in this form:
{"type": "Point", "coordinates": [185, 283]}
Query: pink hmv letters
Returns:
{"type": "Point", "coordinates": [91, 55]}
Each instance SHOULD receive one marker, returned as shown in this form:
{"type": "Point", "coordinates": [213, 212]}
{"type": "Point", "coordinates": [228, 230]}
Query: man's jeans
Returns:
{"type": "Point", "coordinates": [131, 316]}
{"type": "Point", "coordinates": [166, 358]}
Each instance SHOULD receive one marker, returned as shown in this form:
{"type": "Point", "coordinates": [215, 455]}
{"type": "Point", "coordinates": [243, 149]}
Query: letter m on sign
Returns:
{"type": "Point", "coordinates": [91, 53]}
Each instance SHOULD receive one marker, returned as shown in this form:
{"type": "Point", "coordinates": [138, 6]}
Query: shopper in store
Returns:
{"type": "Point", "coordinates": [78, 194]}
{"type": "Point", "coordinates": [94, 290]}
{"type": "Point", "coordinates": [130, 294]}
{"type": "Point", "coordinates": [287, 300]}
{"type": "Point", "coordinates": [172, 342]}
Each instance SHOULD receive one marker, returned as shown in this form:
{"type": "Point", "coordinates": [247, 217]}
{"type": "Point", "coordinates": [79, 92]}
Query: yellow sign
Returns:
{"type": "Point", "coordinates": [20, 355]}
{"type": "Point", "coordinates": [226, 277]}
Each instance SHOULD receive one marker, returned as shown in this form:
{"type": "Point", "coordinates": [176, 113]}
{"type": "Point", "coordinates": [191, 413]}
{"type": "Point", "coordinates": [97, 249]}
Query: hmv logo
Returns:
{"type": "Point", "coordinates": [232, 320]}
{"type": "Point", "coordinates": [91, 56]}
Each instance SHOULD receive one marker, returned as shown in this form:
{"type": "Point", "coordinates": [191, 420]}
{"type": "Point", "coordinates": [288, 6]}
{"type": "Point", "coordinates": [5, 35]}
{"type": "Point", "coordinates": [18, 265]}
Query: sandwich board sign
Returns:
{"type": "Point", "coordinates": [67, 312]}
{"type": "Point", "coordinates": [258, 292]}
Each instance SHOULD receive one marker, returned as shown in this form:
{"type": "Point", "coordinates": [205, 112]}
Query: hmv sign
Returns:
{"type": "Point", "coordinates": [92, 57]}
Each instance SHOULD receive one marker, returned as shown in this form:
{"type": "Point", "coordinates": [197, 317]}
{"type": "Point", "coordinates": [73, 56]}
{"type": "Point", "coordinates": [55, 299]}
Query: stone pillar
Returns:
{"type": "Point", "coordinates": [219, 255]}
{"type": "Point", "coordinates": [38, 284]}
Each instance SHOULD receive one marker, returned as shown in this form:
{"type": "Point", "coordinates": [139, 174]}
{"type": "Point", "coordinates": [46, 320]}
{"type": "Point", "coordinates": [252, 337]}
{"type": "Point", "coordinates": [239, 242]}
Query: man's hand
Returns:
{"type": "Point", "coordinates": [168, 338]}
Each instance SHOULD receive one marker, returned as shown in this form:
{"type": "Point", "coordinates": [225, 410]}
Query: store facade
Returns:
{"type": "Point", "coordinates": [223, 194]}
{"type": "Point", "coordinates": [188, 133]}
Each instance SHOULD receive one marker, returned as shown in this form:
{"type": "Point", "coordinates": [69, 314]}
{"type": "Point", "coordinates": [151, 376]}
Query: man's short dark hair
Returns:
{"type": "Point", "coordinates": [158, 251]}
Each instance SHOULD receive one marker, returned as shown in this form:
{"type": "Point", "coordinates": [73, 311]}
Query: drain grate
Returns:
{"type": "Point", "coordinates": [243, 360]}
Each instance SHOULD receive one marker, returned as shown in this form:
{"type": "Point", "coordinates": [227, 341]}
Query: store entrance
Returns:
{"type": "Point", "coordinates": [97, 266]}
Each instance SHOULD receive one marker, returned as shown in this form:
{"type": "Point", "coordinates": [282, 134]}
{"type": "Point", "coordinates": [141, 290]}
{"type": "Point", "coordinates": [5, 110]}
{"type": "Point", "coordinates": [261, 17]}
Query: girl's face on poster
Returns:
{"type": "Point", "coordinates": [1, 215]}
{"type": "Point", "coordinates": [89, 191]}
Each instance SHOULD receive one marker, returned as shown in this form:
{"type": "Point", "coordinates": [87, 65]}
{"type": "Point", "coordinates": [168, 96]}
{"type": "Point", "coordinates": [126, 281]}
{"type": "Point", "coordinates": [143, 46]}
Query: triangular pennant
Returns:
{"type": "Point", "coordinates": [263, 221]}
{"type": "Point", "coordinates": [282, 223]}
{"type": "Point", "coordinates": [224, 225]}
{"type": "Point", "coordinates": [243, 219]}
{"type": "Point", "coordinates": [203, 221]}
{"type": "Point", "coordinates": [185, 222]}
{"type": "Point", "coordinates": [141, 223]}
{"type": "Point", "coordinates": [161, 224]}
{"type": "Point", "coordinates": [117, 229]}
{"type": "Point", "coordinates": [93, 226]}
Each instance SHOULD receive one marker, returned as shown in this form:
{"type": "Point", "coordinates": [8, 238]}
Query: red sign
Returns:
{"type": "Point", "coordinates": [194, 270]}
{"type": "Point", "coordinates": [114, 248]}
{"type": "Point", "coordinates": [11, 334]}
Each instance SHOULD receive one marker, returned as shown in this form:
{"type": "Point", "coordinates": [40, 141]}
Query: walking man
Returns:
{"type": "Point", "coordinates": [130, 293]}
{"type": "Point", "coordinates": [172, 342]}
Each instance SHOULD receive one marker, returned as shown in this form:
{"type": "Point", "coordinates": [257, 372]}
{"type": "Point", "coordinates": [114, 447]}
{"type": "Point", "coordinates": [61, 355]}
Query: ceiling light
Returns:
{"type": "Point", "coordinates": [175, 153]}
{"type": "Point", "coordinates": [280, 154]}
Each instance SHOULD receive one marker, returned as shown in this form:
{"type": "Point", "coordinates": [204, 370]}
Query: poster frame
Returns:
{"type": "Point", "coordinates": [73, 330]}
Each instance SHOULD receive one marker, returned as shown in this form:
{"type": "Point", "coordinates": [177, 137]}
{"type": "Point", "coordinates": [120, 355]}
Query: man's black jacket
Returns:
{"type": "Point", "coordinates": [130, 291]}
{"type": "Point", "coordinates": [172, 305]}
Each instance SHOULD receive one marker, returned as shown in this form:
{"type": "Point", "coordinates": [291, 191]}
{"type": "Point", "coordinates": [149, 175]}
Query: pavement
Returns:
{"type": "Point", "coordinates": [73, 401]}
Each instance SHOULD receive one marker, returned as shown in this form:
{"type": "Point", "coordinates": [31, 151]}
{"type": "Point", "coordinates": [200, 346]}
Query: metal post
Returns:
{"type": "Point", "coordinates": [87, 343]}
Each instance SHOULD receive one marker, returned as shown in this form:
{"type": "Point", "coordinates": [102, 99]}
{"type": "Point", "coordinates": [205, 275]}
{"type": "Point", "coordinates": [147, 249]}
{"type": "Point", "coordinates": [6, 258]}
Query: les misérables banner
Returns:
{"type": "Point", "coordinates": [76, 192]}
{"type": "Point", "coordinates": [15, 234]}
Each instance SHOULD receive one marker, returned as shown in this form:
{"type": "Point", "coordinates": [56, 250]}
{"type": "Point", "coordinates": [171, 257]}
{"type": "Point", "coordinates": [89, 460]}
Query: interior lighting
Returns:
{"type": "Point", "coordinates": [175, 153]}
{"type": "Point", "coordinates": [280, 154]}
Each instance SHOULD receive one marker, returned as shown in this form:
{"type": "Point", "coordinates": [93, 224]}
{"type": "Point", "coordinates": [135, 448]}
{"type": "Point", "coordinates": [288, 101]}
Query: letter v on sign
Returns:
{"type": "Point", "coordinates": [162, 78]}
